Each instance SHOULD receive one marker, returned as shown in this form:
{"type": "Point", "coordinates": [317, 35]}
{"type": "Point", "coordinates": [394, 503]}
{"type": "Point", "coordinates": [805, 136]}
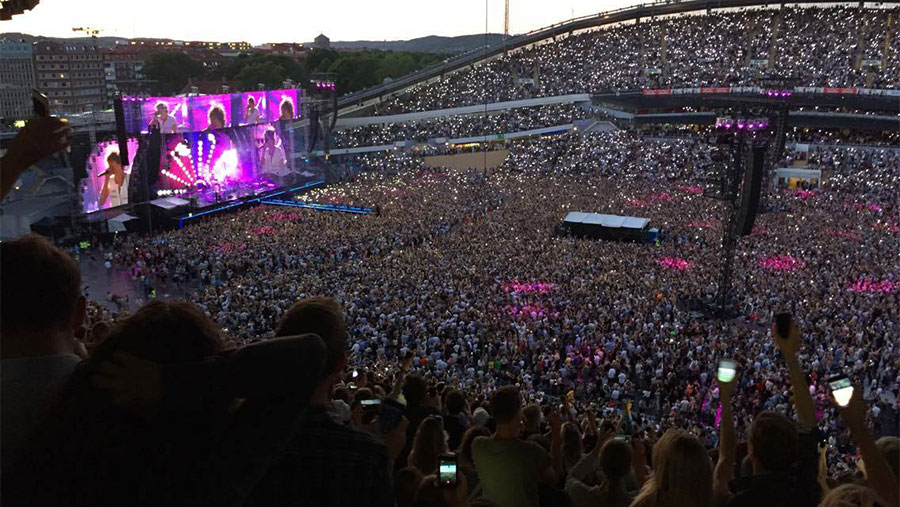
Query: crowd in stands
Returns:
{"type": "Point", "coordinates": [812, 46]}
{"type": "Point", "coordinates": [452, 127]}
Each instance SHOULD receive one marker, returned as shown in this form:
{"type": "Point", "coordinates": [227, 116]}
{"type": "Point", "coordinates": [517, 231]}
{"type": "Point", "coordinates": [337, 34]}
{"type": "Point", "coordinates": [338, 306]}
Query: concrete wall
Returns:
{"type": "Point", "coordinates": [468, 160]}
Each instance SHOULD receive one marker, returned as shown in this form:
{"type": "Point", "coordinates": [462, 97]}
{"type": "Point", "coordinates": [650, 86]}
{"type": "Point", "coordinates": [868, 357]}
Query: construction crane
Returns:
{"type": "Point", "coordinates": [506, 22]}
{"type": "Point", "coordinates": [90, 31]}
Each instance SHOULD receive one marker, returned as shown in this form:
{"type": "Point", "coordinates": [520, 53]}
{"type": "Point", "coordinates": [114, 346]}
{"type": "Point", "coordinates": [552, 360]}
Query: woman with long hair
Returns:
{"type": "Point", "coordinates": [430, 442]}
{"type": "Point", "coordinates": [682, 474]}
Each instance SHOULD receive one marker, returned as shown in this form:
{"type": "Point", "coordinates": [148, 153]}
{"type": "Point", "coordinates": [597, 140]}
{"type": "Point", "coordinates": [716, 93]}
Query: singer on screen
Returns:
{"type": "Point", "coordinates": [165, 123]}
{"type": "Point", "coordinates": [115, 183]}
{"type": "Point", "coordinates": [251, 115]}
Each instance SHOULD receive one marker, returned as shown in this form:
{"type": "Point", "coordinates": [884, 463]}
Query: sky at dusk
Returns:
{"type": "Point", "coordinates": [295, 20]}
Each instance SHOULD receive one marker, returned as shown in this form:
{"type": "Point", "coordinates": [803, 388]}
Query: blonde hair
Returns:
{"type": "Point", "coordinates": [850, 495]}
{"type": "Point", "coordinates": [682, 474]}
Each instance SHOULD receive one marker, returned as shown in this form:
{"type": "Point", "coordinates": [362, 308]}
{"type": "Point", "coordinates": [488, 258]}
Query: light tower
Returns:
{"type": "Point", "coordinates": [506, 22]}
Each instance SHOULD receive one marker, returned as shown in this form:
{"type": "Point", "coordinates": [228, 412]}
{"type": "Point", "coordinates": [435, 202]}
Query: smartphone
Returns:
{"type": "Point", "coordinates": [726, 370]}
{"type": "Point", "coordinates": [624, 438]}
{"type": "Point", "coordinates": [40, 103]}
{"type": "Point", "coordinates": [372, 405]}
{"type": "Point", "coordinates": [390, 416]}
{"type": "Point", "coordinates": [355, 373]}
{"type": "Point", "coordinates": [447, 471]}
{"type": "Point", "coordinates": [783, 324]}
{"type": "Point", "coordinates": [841, 389]}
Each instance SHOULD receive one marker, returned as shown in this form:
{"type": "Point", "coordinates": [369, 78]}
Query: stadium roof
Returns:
{"type": "Point", "coordinates": [661, 8]}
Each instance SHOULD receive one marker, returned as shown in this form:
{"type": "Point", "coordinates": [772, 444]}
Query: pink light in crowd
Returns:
{"type": "Point", "coordinates": [676, 263]}
{"type": "Point", "coordinates": [869, 207]}
{"type": "Point", "coordinates": [759, 230]}
{"type": "Point", "coordinates": [533, 312]}
{"type": "Point", "coordinates": [282, 216]}
{"type": "Point", "coordinates": [805, 194]}
{"type": "Point", "coordinates": [264, 230]}
{"type": "Point", "coordinates": [664, 196]}
{"type": "Point", "coordinates": [691, 189]}
{"type": "Point", "coordinates": [874, 286]}
{"type": "Point", "coordinates": [638, 202]}
{"type": "Point", "coordinates": [704, 224]}
{"type": "Point", "coordinates": [782, 263]}
{"type": "Point", "coordinates": [230, 247]}
{"type": "Point", "coordinates": [528, 287]}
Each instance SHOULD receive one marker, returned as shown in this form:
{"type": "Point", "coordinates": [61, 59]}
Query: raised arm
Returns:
{"type": "Point", "coordinates": [39, 138]}
{"type": "Point", "coordinates": [789, 345]}
{"type": "Point", "coordinates": [556, 458]}
{"type": "Point", "coordinates": [878, 471]}
{"type": "Point", "coordinates": [725, 466]}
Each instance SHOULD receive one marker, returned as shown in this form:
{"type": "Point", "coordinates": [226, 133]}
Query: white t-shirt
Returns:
{"type": "Point", "coordinates": [273, 162]}
{"type": "Point", "coordinates": [252, 116]}
{"type": "Point", "coordinates": [167, 126]}
{"type": "Point", "coordinates": [118, 195]}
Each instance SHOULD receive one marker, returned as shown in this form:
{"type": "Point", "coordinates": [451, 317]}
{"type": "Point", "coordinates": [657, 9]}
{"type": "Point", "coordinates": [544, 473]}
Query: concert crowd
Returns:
{"type": "Point", "coordinates": [455, 346]}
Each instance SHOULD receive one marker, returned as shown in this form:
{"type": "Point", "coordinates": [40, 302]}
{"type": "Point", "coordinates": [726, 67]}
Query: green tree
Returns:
{"type": "Point", "coordinates": [171, 70]}
{"type": "Point", "coordinates": [271, 70]}
{"type": "Point", "coordinates": [319, 60]}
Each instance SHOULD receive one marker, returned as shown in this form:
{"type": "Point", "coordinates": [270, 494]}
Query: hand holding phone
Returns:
{"type": "Point", "coordinates": [727, 371]}
{"type": "Point", "coordinates": [783, 323]}
{"type": "Point", "coordinates": [447, 471]}
{"type": "Point", "coordinates": [841, 389]}
{"type": "Point", "coordinates": [787, 337]}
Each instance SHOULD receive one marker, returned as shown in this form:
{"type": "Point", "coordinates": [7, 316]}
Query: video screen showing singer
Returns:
{"type": "Point", "coordinates": [162, 121]}
{"type": "Point", "coordinates": [115, 183]}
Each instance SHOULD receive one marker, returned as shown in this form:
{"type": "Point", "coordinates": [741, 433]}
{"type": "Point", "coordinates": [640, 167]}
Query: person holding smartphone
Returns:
{"type": "Point", "coordinates": [321, 454]}
{"type": "Point", "coordinates": [852, 408]}
{"type": "Point", "coordinates": [784, 454]}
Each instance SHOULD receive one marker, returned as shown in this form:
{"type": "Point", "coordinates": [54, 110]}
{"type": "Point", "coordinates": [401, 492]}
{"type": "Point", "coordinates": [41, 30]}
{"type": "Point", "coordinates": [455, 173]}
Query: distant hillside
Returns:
{"type": "Point", "coordinates": [101, 41]}
{"type": "Point", "coordinates": [429, 44]}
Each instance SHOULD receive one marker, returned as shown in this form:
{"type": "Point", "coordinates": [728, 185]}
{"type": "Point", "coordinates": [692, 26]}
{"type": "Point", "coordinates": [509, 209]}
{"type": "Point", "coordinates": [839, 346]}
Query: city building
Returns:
{"type": "Point", "coordinates": [294, 50]}
{"type": "Point", "coordinates": [196, 44]}
{"type": "Point", "coordinates": [322, 42]}
{"type": "Point", "coordinates": [124, 70]}
{"type": "Point", "coordinates": [16, 80]}
{"type": "Point", "coordinates": [72, 75]}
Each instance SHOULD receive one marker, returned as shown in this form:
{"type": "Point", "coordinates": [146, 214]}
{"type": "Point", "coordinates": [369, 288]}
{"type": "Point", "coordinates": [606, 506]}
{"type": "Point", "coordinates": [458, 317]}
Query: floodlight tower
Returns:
{"type": "Point", "coordinates": [506, 22]}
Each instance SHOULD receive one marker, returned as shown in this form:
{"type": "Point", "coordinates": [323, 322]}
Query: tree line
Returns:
{"type": "Point", "coordinates": [171, 70]}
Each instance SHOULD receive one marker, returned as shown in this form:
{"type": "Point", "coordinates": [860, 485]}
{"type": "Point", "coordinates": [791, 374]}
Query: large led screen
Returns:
{"type": "Point", "coordinates": [168, 114]}
{"type": "Point", "coordinates": [223, 164]}
{"type": "Point", "coordinates": [109, 180]}
{"type": "Point", "coordinates": [282, 105]}
{"type": "Point", "coordinates": [252, 108]}
{"type": "Point", "coordinates": [196, 114]}
{"type": "Point", "coordinates": [210, 112]}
